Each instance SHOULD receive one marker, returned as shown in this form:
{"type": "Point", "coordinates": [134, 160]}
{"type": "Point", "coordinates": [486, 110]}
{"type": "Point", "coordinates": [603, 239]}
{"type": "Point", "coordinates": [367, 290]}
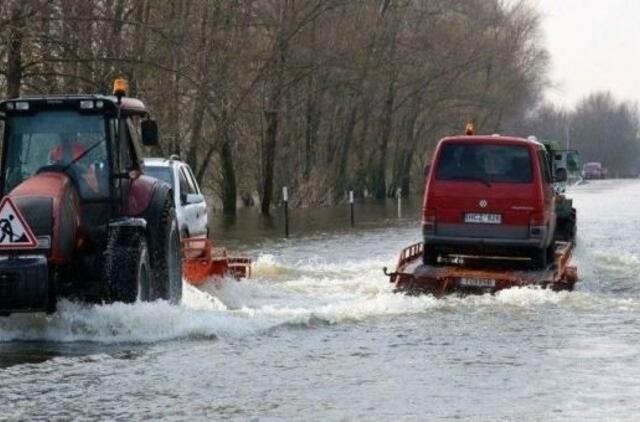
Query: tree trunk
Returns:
{"type": "Point", "coordinates": [343, 151]}
{"type": "Point", "coordinates": [268, 158]}
{"type": "Point", "coordinates": [14, 52]}
{"type": "Point", "coordinates": [229, 190]}
{"type": "Point", "coordinates": [378, 181]}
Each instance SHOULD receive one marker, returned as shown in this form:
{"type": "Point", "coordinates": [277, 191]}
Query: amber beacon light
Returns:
{"type": "Point", "coordinates": [120, 87]}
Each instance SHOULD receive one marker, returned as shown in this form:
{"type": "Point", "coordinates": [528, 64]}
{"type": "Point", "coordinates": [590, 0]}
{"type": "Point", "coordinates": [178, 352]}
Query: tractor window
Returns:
{"type": "Point", "coordinates": [57, 141]}
{"type": "Point", "coordinates": [126, 157]}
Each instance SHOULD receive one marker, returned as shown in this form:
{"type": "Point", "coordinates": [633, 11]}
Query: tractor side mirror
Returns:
{"type": "Point", "coordinates": [149, 133]}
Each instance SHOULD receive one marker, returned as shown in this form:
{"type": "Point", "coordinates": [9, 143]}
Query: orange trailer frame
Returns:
{"type": "Point", "coordinates": [201, 261]}
{"type": "Point", "coordinates": [479, 274]}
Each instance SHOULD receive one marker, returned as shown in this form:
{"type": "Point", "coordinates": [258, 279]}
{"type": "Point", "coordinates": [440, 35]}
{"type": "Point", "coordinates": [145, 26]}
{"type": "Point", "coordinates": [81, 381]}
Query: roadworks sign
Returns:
{"type": "Point", "coordinates": [15, 233]}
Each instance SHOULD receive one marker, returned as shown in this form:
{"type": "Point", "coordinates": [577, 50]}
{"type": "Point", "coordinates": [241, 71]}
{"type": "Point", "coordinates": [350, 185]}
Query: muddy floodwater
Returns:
{"type": "Point", "coordinates": [317, 334]}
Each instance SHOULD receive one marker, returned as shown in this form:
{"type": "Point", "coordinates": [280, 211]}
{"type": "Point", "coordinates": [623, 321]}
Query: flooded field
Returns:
{"type": "Point", "coordinates": [317, 334]}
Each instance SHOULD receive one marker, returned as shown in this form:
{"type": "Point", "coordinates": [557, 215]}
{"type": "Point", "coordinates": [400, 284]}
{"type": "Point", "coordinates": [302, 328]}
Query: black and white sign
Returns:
{"type": "Point", "coordinates": [15, 233]}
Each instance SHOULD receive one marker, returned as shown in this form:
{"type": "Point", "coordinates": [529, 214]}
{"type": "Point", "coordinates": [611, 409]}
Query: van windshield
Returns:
{"type": "Point", "coordinates": [488, 163]}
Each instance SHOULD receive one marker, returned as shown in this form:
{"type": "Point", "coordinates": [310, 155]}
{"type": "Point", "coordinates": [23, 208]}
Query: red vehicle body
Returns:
{"type": "Point", "coordinates": [489, 196]}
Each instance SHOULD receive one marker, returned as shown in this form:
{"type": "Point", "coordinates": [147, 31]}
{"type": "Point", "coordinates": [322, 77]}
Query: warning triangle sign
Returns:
{"type": "Point", "coordinates": [15, 233]}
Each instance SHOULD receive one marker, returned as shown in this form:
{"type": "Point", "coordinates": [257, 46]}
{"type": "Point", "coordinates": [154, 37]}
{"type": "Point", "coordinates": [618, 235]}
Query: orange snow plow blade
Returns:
{"type": "Point", "coordinates": [413, 277]}
{"type": "Point", "coordinates": [201, 262]}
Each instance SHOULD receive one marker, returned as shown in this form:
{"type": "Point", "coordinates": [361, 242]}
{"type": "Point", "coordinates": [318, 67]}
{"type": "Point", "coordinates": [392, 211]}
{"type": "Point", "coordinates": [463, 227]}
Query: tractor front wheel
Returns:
{"type": "Point", "coordinates": [127, 269]}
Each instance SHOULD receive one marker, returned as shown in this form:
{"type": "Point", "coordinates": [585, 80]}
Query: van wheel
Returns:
{"type": "Point", "coordinates": [429, 255]}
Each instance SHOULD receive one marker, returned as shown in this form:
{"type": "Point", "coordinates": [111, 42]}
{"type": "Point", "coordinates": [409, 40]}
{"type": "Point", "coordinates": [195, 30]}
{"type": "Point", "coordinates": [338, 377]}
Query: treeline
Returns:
{"type": "Point", "coordinates": [600, 127]}
{"type": "Point", "coordinates": [318, 95]}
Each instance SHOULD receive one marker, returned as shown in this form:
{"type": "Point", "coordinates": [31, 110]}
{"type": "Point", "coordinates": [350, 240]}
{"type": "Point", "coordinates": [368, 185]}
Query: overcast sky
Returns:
{"type": "Point", "coordinates": [594, 46]}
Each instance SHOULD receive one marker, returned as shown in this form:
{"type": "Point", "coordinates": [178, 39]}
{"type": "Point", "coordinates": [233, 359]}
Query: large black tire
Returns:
{"type": "Point", "coordinates": [165, 252]}
{"type": "Point", "coordinates": [127, 268]}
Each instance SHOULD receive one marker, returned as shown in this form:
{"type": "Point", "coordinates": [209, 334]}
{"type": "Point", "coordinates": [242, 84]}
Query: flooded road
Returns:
{"type": "Point", "coordinates": [317, 334]}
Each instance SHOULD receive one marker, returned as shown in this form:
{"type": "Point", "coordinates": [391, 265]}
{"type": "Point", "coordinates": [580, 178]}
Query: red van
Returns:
{"type": "Point", "coordinates": [489, 196]}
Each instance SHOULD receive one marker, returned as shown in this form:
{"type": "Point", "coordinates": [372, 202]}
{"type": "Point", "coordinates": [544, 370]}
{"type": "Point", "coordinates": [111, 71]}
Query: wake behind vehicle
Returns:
{"type": "Point", "coordinates": [92, 225]}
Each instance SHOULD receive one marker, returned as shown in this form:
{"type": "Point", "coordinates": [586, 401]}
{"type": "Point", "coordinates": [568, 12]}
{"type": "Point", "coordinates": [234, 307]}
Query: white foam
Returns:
{"type": "Point", "coordinates": [304, 292]}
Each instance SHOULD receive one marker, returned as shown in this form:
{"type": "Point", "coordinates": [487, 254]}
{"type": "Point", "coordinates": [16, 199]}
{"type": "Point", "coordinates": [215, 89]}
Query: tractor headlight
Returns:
{"type": "Point", "coordinates": [22, 106]}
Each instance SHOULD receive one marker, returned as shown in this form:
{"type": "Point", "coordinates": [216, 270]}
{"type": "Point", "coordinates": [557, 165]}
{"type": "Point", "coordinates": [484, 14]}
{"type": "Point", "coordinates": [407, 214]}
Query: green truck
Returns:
{"type": "Point", "coordinates": [567, 161]}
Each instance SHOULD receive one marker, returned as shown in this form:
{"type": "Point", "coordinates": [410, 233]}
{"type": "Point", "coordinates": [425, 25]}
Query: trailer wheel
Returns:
{"type": "Point", "coordinates": [543, 257]}
{"type": "Point", "coordinates": [166, 257]}
{"type": "Point", "coordinates": [429, 255]}
{"type": "Point", "coordinates": [127, 269]}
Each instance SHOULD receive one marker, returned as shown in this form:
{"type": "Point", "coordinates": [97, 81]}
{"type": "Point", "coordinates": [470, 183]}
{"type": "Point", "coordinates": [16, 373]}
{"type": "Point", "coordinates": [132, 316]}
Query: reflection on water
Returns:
{"type": "Point", "coordinates": [249, 227]}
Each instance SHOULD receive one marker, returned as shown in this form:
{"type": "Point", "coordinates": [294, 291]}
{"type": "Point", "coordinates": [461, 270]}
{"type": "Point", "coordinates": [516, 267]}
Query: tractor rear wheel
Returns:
{"type": "Point", "coordinates": [166, 257]}
{"type": "Point", "coordinates": [127, 269]}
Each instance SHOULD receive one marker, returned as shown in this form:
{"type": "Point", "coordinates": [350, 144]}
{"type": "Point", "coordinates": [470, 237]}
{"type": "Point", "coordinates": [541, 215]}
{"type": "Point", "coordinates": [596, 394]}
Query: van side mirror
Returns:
{"type": "Point", "coordinates": [149, 133]}
{"type": "Point", "coordinates": [426, 170]}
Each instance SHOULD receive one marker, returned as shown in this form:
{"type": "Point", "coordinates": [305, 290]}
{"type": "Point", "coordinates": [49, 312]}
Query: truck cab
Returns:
{"type": "Point", "coordinates": [489, 196]}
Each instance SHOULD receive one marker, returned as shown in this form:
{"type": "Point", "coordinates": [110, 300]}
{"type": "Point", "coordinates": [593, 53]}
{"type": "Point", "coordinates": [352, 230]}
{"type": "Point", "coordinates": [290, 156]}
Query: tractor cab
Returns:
{"type": "Point", "coordinates": [72, 169]}
{"type": "Point", "coordinates": [93, 139]}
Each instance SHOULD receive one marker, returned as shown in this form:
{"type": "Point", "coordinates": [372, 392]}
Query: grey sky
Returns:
{"type": "Point", "coordinates": [594, 45]}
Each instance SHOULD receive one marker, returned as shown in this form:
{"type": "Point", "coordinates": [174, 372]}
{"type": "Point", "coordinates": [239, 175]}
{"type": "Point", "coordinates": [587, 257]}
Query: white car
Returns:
{"type": "Point", "coordinates": [191, 208]}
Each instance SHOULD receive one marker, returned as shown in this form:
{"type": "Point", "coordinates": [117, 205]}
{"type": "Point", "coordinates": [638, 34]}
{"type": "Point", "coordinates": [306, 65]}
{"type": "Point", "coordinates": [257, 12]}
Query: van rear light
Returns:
{"type": "Point", "coordinates": [536, 225]}
{"type": "Point", "coordinates": [429, 221]}
{"type": "Point", "coordinates": [536, 231]}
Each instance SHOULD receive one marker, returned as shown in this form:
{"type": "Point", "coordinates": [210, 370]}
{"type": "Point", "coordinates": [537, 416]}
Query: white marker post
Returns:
{"type": "Point", "coordinates": [351, 206]}
{"type": "Point", "coordinates": [285, 198]}
{"type": "Point", "coordinates": [399, 195]}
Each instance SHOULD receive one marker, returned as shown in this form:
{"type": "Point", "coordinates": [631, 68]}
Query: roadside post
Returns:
{"type": "Point", "coordinates": [285, 198]}
{"type": "Point", "coordinates": [399, 196]}
{"type": "Point", "coordinates": [352, 210]}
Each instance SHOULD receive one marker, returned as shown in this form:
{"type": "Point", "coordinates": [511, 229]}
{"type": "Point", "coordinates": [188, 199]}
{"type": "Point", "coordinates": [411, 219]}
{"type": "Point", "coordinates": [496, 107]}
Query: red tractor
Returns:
{"type": "Point", "coordinates": [78, 218]}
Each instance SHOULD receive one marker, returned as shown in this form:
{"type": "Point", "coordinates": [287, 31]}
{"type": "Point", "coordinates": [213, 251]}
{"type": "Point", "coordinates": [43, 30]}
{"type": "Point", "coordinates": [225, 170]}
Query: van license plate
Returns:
{"type": "Point", "coordinates": [477, 282]}
{"type": "Point", "coordinates": [478, 218]}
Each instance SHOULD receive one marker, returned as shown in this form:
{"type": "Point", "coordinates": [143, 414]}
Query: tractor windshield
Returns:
{"type": "Point", "coordinates": [59, 141]}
